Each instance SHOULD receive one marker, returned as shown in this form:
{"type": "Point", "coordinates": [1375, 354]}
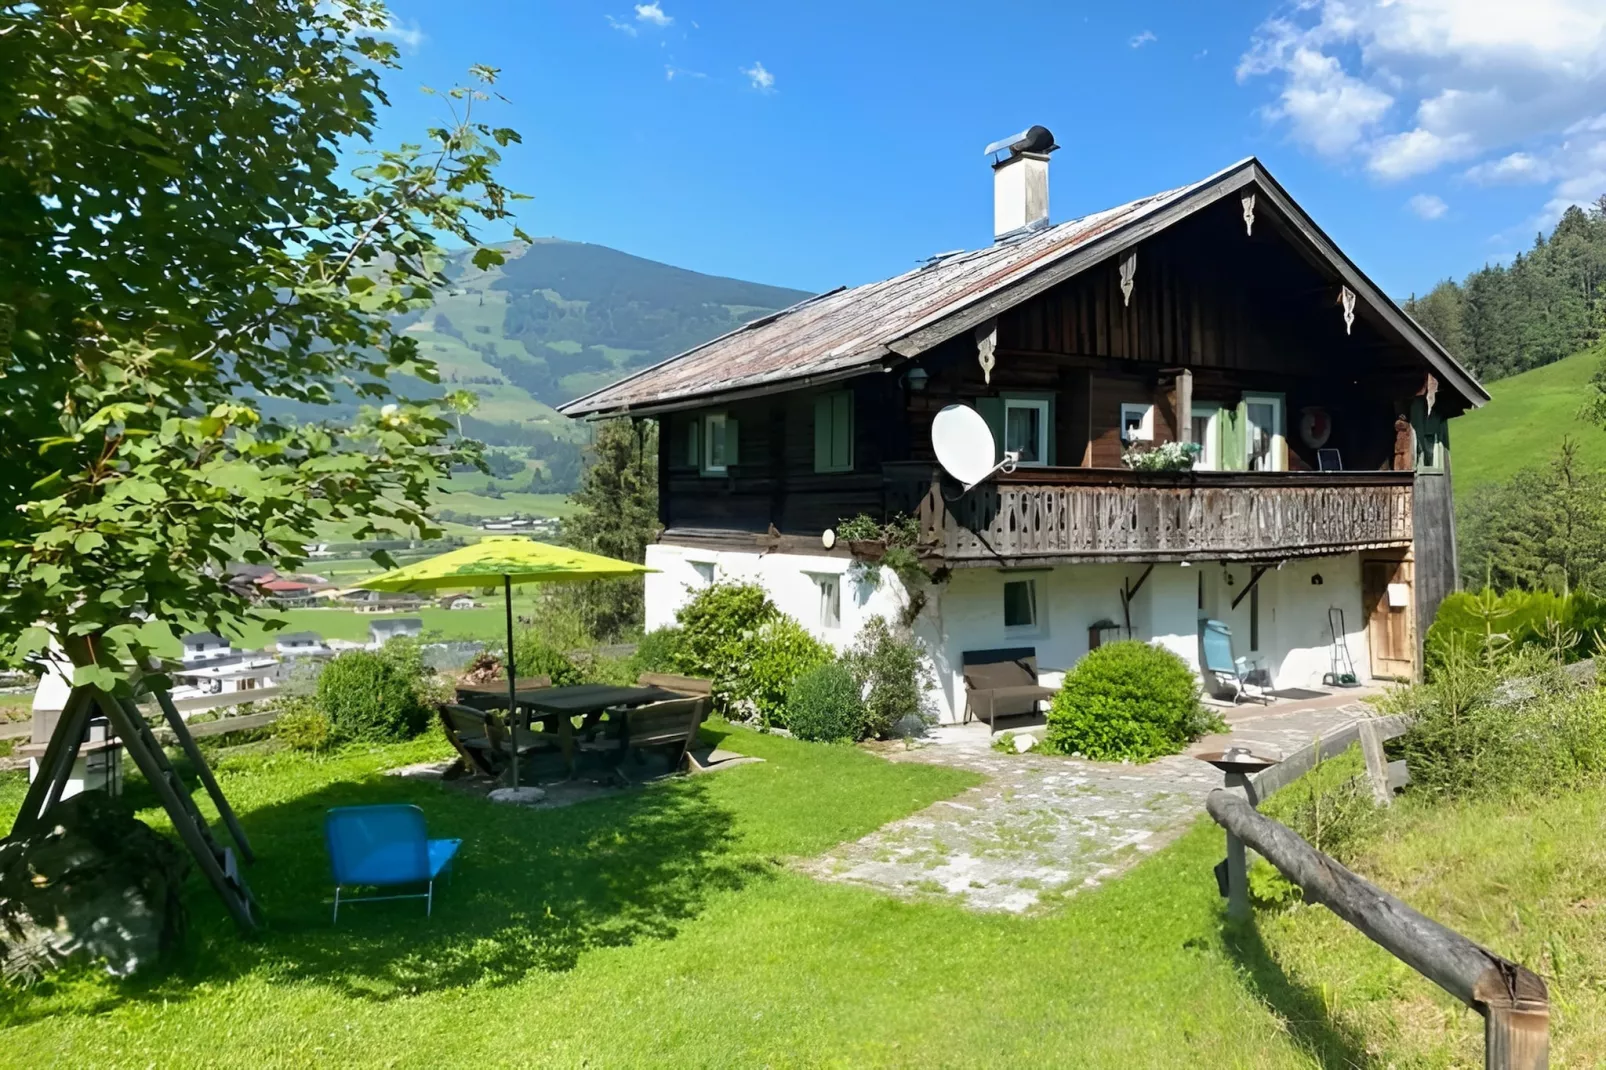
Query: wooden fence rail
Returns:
{"type": "Point", "coordinates": [1512, 999]}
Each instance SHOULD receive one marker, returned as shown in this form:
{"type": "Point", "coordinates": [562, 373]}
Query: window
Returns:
{"type": "Point", "coordinates": [1020, 606]}
{"type": "Point", "coordinates": [1263, 415]}
{"type": "Point", "coordinates": [833, 432]}
{"type": "Point", "coordinates": [1429, 431]}
{"type": "Point", "coordinates": [711, 443]}
{"type": "Point", "coordinates": [1026, 430]}
{"type": "Point", "coordinates": [704, 571]}
{"type": "Point", "coordinates": [1205, 422]}
{"type": "Point", "coordinates": [1137, 421]}
{"type": "Point", "coordinates": [830, 586]}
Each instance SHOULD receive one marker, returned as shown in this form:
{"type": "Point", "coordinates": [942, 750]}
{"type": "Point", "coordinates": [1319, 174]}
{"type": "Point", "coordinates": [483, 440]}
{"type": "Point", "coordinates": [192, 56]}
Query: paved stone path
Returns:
{"type": "Point", "coordinates": [1043, 826]}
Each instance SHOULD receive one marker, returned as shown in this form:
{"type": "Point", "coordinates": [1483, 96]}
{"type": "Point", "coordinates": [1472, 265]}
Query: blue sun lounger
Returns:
{"type": "Point", "coordinates": [382, 847]}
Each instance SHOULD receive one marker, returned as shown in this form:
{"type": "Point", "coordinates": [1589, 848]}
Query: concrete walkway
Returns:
{"type": "Point", "coordinates": [1044, 826]}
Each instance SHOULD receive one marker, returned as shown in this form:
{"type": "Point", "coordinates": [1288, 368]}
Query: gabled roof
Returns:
{"type": "Point", "coordinates": [848, 332]}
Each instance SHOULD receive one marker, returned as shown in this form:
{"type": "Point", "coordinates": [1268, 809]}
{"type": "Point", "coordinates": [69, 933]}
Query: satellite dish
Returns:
{"type": "Point", "coordinates": [965, 447]}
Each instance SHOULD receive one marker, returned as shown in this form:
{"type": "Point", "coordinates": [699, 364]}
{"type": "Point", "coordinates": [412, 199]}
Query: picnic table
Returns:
{"type": "Point", "coordinates": [561, 705]}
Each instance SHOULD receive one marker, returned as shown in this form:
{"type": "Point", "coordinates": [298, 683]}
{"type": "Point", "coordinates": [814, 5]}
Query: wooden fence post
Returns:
{"type": "Point", "coordinates": [1377, 763]}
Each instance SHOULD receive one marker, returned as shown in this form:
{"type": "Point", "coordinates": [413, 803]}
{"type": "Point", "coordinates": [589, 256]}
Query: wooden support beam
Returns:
{"type": "Point", "coordinates": [55, 765]}
{"type": "Point", "coordinates": [186, 742]}
{"type": "Point", "coordinates": [1254, 578]}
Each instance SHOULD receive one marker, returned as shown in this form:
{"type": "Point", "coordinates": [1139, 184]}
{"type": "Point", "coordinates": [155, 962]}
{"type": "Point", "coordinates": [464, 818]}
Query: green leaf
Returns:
{"type": "Point", "coordinates": [94, 676]}
{"type": "Point", "coordinates": [486, 257]}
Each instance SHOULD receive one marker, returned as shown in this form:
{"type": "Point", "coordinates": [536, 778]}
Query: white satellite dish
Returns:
{"type": "Point", "coordinates": [965, 447]}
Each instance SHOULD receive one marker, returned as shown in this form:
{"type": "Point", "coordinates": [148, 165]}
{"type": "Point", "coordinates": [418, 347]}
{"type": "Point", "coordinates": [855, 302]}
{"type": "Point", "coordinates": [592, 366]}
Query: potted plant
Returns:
{"type": "Point", "coordinates": [1166, 457]}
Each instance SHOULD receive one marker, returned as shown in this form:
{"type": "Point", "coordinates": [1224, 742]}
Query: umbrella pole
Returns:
{"type": "Point", "coordinates": [512, 698]}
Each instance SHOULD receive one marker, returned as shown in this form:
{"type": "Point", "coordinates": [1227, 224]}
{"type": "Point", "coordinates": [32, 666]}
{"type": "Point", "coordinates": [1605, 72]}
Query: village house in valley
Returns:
{"type": "Point", "coordinates": [1218, 313]}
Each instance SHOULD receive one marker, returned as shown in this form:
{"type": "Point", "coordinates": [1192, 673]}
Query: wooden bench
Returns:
{"type": "Point", "coordinates": [493, 696]}
{"type": "Point", "coordinates": [686, 685]}
{"type": "Point", "coordinates": [671, 725]}
{"type": "Point", "coordinates": [483, 743]}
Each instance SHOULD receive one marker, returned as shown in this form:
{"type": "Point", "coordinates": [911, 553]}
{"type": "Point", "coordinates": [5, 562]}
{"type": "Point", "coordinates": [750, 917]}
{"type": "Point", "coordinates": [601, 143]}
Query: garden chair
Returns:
{"type": "Point", "coordinates": [686, 685]}
{"type": "Point", "coordinates": [467, 733]}
{"type": "Point", "coordinates": [1002, 683]}
{"type": "Point", "coordinates": [1215, 655]}
{"type": "Point", "coordinates": [382, 847]}
{"type": "Point", "coordinates": [671, 725]}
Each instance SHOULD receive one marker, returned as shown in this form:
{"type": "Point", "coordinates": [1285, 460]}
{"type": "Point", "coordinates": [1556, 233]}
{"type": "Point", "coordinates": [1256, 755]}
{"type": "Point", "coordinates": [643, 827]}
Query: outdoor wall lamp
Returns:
{"type": "Point", "coordinates": [916, 378]}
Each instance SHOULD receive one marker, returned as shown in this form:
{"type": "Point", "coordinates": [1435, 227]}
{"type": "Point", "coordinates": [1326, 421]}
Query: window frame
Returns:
{"type": "Point", "coordinates": [1034, 600]}
{"type": "Point", "coordinates": [707, 465]}
{"type": "Point", "coordinates": [1209, 459]}
{"type": "Point", "coordinates": [827, 403]}
{"type": "Point", "coordinates": [1278, 452]}
{"type": "Point", "coordinates": [1044, 411]}
{"type": "Point", "coordinates": [829, 587]}
{"type": "Point", "coordinates": [707, 578]}
{"type": "Point", "coordinates": [1145, 411]}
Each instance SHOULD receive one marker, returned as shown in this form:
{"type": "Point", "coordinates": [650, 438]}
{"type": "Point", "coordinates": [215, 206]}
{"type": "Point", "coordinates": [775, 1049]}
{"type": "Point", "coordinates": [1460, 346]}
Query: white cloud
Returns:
{"type": "Point", "coordinates": [653, 14]}
{"type": "Point", "coordinates": [671, 72]}
{"type": "Point", "coordinates": [1427, 206]}
{"type": "Point", "coordinates": [1144, 38]}
{"type": "Point", "coordinates": [1409, 87]}
{"type": "Point", "coordinates": [762, 80]}
{"type": "Point", "coordinates": [407, 35]}
{"type": "Point", "coordinates": [623, 27]}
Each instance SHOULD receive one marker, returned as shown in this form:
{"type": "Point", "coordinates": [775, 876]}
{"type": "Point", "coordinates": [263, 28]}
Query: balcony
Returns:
{"type": "Point", "coordinates": [1071, 515]}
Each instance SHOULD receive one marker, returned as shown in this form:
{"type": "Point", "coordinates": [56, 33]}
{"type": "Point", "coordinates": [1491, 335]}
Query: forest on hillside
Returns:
{"type": "Point", "coordinates": [1549, 303]}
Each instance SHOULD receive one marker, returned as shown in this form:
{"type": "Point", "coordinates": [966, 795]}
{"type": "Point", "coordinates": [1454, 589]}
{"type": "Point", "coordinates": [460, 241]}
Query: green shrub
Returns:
{"type": "Point", "coordinates": [764, 667]}
{"type": "Point", "coordinates": [1127, 700]}
{"type": "Point", "coordinates": [658, 651]}
{"type": "Point", "coordinates": [823, 705]}
{"type": "Point", "coordinates": [894, 678]}
{"type": "Point", "coordinates": [1486, 624]}
{"type": "Point", "coordinates": [303, 726]}
{"type": "Point", "coordinates": [1509, 724]}
{"type": "Point", "coordinates": [715, 626]}
{"type": "Point", "coordinates": [534, 655]}
{"type": "Point", "coordinates": [369, 699]}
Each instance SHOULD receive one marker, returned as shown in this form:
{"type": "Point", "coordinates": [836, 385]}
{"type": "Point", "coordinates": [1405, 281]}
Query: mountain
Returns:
{"type": "Point", "coordinates": [561, 318]}
{"type": "Point", "coordinates": [1524, 423]}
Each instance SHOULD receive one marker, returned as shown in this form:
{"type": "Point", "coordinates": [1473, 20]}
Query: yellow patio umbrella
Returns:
{"type": "Point", "coordinates": [510, 559]}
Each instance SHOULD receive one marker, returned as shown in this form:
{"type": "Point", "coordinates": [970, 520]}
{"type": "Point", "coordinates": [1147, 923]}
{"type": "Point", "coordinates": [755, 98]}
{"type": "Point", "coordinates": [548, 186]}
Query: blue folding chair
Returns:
{"type": "Point", "coordinates": [1215, 648]}
{"type": "Point", "coordinates": [383, 846]}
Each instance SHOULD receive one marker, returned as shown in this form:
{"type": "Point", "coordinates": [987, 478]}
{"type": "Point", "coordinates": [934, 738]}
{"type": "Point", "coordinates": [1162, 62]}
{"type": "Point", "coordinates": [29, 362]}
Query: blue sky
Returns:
{"type": "Point", "coordinates": [829, 143]}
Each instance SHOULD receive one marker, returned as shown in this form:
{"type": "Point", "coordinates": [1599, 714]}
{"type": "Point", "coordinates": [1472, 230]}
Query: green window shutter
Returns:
{"type": "Point", "coordinates": [822, 433]}
{"type": "Point", "coordinates": [842, 431]}
{"type": "Point", "coordinates": [992, 410]}
{"type": "Point", "coordinates": [1050, 457]}
{"type": "Point", "coordinates": [694, 442]}
{"type": "Point", "coordinates": [731, 439]}
{"type": "Point", "coordinates": [1234, 442]}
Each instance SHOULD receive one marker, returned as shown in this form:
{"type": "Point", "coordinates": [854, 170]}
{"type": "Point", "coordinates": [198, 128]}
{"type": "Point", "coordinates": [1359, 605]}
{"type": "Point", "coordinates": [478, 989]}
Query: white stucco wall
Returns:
{"type": "Point", "coordinates": [967, 613]}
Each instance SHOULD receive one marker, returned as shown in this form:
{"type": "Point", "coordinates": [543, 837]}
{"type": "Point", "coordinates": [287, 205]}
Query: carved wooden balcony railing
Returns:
{"type": "Point", "coordinates": [1049, 515]}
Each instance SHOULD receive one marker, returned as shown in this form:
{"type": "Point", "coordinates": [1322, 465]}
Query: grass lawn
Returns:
{"type": "Point", "coordinates": [1525, 421]}
{"type": "Point", "coordinates": [667, 927]}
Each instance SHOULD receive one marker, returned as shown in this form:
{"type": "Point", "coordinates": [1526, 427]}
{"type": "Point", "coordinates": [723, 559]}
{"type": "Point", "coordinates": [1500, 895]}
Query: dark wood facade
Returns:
{"type": "Point", "coordinates": [1213, 315]}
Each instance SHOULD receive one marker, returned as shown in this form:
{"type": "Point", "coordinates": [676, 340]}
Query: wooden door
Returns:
{"type": "Point", "coordinates": [1388, 623]}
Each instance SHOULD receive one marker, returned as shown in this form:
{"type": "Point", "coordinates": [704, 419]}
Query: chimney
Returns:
{"type": "Point", "coordinates": [1020, 181]}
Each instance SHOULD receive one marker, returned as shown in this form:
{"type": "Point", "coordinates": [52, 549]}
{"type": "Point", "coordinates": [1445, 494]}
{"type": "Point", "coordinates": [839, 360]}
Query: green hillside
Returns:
{"type": "Point", "coordinates": [1525, 422]}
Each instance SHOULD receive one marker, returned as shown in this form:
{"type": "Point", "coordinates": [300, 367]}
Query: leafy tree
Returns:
{"type": "Point", "coordinates": [177, 240]}
{"type": "Point", "coordinates": [618, 517]}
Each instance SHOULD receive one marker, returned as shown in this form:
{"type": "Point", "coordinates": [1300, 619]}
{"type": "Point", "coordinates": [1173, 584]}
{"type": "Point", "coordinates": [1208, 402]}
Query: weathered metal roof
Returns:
{"type": "Point", "coordinates": [849, 331]}
{"type": "Point", "coordinates": [845, 329]}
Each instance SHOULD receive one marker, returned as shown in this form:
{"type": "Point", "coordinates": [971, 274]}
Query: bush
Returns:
{"type": "Point", "coordinates": [534, 655]}
{"type": "Point", "coordinates": [823, 705]}
{"type": "Point", "coordinates": [716, 624]}
{"type": "Point", "coordinates": [1487, 624]}
{"type": "Point", "coordinates": [1509, 724]}
{"type": "Point", "coordinates": [658, 651]}
{"type": "Point", "coordinates": [894, 678]}
{"type": "Point", "coordinates": [369, 699]}
{"type": "Point", "coordinates": [303, 726]}
{"type": "Point", "coordinates": [765, 667]}
{"type": "Point", "coordinates": [1127, 700]}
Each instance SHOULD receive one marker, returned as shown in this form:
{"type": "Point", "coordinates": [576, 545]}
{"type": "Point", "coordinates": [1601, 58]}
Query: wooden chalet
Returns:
{"type": "Point", "coordinates": [1217, 313]}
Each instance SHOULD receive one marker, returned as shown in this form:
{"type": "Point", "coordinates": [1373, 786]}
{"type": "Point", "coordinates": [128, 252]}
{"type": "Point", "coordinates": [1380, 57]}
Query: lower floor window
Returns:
{"type": "Point", "coordinates": [830, 600]}
{"type": "Point", "coordinates": [705, 572]}
{"type": "Point", "coordinates": [1020, 605]}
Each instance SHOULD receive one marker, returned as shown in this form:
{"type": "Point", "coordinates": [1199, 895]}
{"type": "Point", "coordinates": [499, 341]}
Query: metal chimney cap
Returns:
{"type": "Point", "coordinates": [1032, 139]}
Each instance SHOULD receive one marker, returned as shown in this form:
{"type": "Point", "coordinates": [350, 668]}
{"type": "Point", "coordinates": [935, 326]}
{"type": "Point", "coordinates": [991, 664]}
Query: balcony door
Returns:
{"type": "Point", "coordinates": [1263, 418]}
{"type": "Point", "coordinates": [1386, 592]}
